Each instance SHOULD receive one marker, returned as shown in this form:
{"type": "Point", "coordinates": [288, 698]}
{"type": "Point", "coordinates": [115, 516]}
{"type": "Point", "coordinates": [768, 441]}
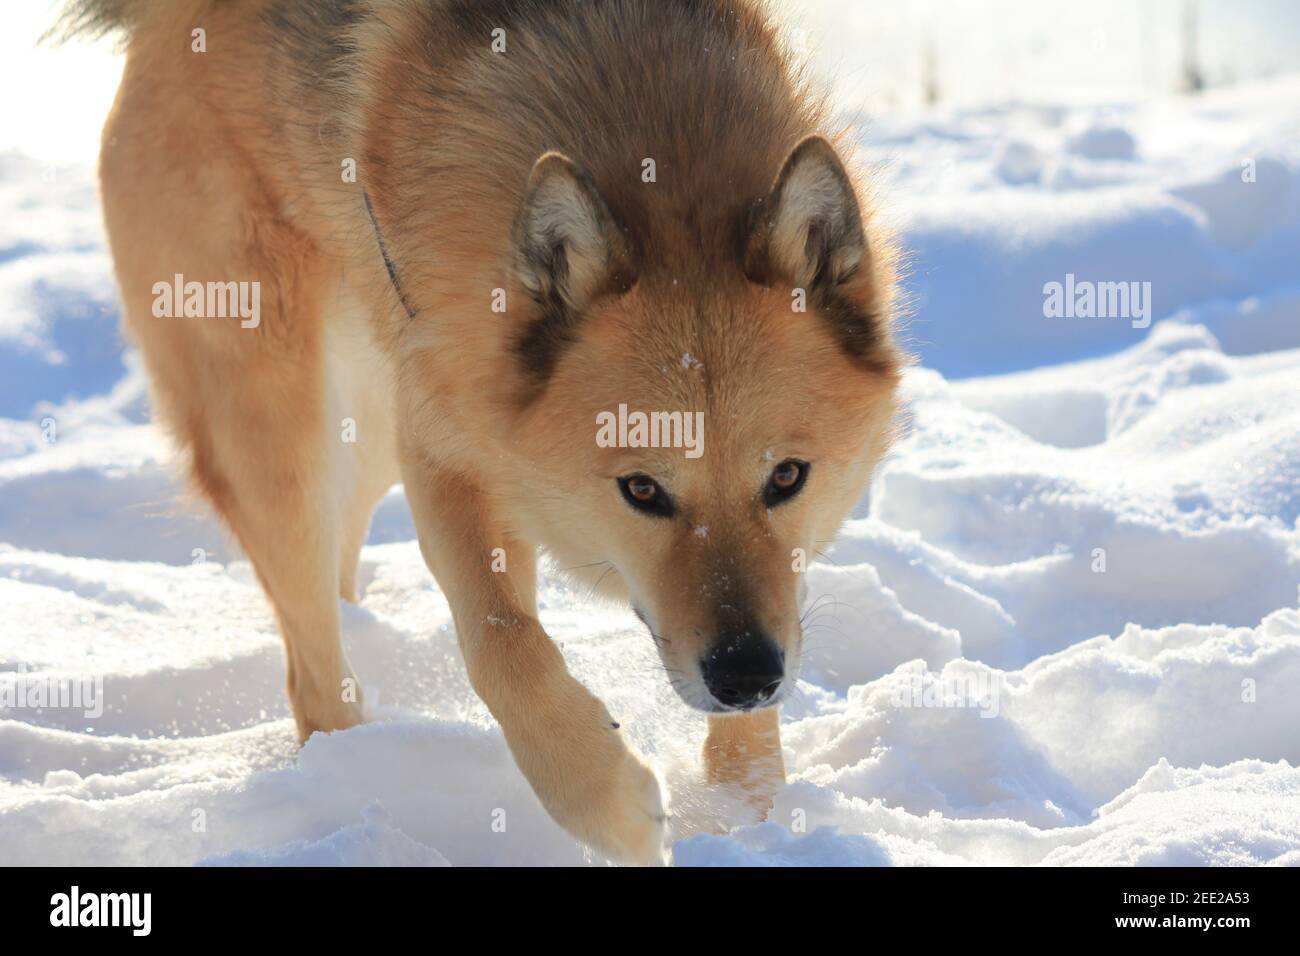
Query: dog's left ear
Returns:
{"type": "Point", "coordinates": [568, 248]}
{"type": "Point", "coordinates": [808, 230]}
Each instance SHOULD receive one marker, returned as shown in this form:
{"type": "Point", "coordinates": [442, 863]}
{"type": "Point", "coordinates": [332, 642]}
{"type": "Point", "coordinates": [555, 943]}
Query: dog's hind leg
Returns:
{"type": "Point", "coordinates": [245, 396]}
{"type": "Point", "coordinates": [359, 507]}
{"type": "Point", "coordinates": [361, 411]}
{"type": "Point", "coordinates": [265, 457]}
{"type": "Point", "coordinates": [274, 491]}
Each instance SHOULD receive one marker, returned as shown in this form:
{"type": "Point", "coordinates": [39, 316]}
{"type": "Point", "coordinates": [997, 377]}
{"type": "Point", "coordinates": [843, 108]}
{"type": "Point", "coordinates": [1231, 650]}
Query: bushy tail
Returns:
{"type": "Point", "coordinates": [93, 19]}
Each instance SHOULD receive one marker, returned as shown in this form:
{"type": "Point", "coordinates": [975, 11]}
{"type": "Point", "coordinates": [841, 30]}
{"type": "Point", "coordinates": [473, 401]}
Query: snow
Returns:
{"type": "Point", "coordinates": [996, 202]}
{"type": "Point", "coordinates": [1062, 628]}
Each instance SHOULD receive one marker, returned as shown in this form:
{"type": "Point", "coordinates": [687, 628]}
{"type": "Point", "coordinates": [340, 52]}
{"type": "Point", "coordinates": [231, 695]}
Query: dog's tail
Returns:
{"type": "Point", "coordinates": [93, 19]}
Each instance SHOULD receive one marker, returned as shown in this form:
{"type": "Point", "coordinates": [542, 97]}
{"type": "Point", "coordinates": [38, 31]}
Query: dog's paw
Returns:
{"type": "Point", "coordinates": [633, 822]}
{"type": "Point", "coordinates": [326, 715]}
{"type": "Point", "coordinates": [610, 800]}
{"type": "Point", "coordinates": [591, 783]}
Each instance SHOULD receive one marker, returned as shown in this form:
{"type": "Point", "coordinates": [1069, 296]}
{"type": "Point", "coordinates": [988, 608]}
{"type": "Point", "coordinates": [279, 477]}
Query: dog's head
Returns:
{"type": "Point", "coordinates": [696, 431]}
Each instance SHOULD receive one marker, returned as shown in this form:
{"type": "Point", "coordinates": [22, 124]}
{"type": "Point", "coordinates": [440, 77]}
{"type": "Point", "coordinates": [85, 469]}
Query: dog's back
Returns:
{"type": "Point", "coordinates": [696, 95]}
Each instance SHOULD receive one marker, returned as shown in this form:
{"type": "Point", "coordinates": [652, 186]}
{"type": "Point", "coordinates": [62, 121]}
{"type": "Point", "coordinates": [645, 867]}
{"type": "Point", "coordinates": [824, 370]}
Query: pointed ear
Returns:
{"type": "Point", "coordinates": [808, 231]}
{"type": "Point", "coordinates": [568, 249]}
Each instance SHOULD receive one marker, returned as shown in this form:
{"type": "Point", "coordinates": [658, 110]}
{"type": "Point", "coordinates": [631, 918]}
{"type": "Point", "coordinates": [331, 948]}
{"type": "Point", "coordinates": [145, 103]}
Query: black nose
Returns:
{"type": "Point", "coordinates": [744, 672]}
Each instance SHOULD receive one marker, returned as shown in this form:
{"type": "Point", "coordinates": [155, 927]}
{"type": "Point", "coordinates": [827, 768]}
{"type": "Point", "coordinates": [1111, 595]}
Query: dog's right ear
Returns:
{"type": "Point", "coordinates": [568, 248]}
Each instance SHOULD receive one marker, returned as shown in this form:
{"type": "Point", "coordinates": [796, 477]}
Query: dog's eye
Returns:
{"type": "Point", "coordinates": [644, 494]}
{"type": "Point", "coordinates": [787, 481]}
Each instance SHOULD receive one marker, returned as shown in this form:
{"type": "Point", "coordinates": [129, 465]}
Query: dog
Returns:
{"type": "Point", "coordinates": [486, 236]}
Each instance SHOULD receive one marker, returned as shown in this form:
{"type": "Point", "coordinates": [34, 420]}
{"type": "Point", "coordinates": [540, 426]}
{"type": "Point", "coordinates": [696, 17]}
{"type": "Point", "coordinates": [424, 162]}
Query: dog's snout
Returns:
{"type": "Point", "coordinates": [743, 673]}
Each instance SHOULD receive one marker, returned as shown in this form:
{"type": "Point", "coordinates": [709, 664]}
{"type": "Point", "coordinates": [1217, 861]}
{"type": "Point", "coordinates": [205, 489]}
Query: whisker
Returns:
{"type": "Point", "coordinates": [580, 567]}
{"type": "Point", "coordinates": [595, 587]}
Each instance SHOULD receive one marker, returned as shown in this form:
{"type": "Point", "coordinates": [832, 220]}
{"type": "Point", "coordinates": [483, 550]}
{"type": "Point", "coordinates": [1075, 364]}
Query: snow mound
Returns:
{"type": "Point", "coordinates": [1199, 198]}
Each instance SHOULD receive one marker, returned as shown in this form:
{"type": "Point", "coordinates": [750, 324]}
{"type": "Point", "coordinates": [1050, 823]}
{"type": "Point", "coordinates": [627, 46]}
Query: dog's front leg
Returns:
{"type": "Point", "coordinates": [562, 737]}
{"type": "Point", "coordinates": [743, 751]}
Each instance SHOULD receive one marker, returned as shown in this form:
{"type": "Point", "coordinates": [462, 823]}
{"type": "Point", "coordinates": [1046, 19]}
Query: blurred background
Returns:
{"type": "Point", "coordinates": [903, 54]}
{"type": "Point", "coordinates": [883, 55]}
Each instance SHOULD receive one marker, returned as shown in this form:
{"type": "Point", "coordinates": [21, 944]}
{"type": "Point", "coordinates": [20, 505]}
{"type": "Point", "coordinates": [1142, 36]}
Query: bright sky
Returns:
{"type": "Point", "coordinates": [55, 99]}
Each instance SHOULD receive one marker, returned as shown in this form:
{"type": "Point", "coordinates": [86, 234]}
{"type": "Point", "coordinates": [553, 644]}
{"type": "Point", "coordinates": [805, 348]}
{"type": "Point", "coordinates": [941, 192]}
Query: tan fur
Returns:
{"type": "Point", "coordinates": [225, 165]}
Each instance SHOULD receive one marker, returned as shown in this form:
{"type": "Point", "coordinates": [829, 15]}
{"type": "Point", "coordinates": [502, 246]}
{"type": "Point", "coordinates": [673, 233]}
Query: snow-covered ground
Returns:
{"type": "Point", "coordinates": [1061, 628]}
